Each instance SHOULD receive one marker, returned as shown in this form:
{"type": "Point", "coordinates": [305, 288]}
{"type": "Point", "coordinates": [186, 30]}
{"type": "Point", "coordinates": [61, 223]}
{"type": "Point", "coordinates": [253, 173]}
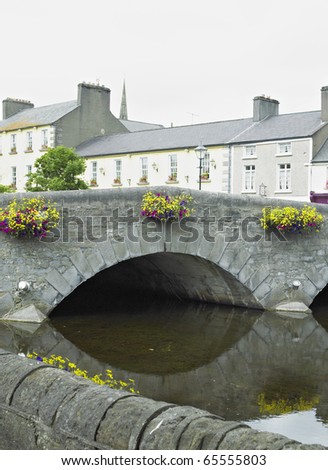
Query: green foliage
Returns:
{"type": "Point", "coordinates": [28, 218]}
{"type": "Point", "coordinates": [66, 364]}
{"type": "Point", "coordinates": [6, 189]}
{"type": "Point", "coordinates": [291, 219]}
{"type": "Point", "coordinates": [57, 170]}
{"type": "Point", "coordinates": [163, 207]}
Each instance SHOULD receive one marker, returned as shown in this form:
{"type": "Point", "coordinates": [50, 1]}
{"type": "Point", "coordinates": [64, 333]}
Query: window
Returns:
{"type": "Point", "coordinates": [250, 151]}
{"type": "Point", "coordinates": [13, 176]}
{"type": "Point", "coordinates": [206, 163]}
{"type": "Point", "coordinates": [29, 141]}
{"type": "Point", "coordinates": [0, 145]}
{"type": "Point", "coordinates": [173, 167]}
{"type": "Point", "coordinates": [284, 177]}
{"type": "Point", "coordinates": [94, 171]}
{"type": "Point", "coordinates": [118, 171]}
{"type": "Point", "coordinates": [44, 138]}
{"type": "Point", "coordinates": [249, 178]}
{"type": "Point", "coordinates": [144, 168]}
{"type": "Point", "coordinates": [13, 143]}
{"type": "Point", "coordinates": [28, 169]}
{"type": "Point", "coordinates": [285, 147]}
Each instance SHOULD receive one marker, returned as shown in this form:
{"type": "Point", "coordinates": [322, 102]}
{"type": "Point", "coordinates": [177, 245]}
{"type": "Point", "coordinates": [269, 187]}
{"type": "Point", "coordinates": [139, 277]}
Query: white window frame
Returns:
{"type": "Point", "coordinates": [173, 166]}
{"type": "Point", "coordinates": [250, 151]}
{"type": "Point", "coordinates": [249, 175]}
{"type": "Point", "coordinates": [118, 170]}
{"type": "Point", "coordinates": [284, 178]}
{"type": "Point", "coordinates": [28, 169]}
{"type": "Point", "coordinates": [29, 140]}
{"type": "Point", "coordinates": [13, 142]}
{"type": "Point", "coordinates": [44, 138]}
{"type": "Point", "coordinates": [0, 145]}
{"type": "Point", "coordinates": [14, 175]}
{"type": "Point", "coordinates": [94, 171]}
{"type": "Point", "coordinates": [284, 148]}
{"type": "Point", "coordinates": [206, 163]}
{"type": "Point", "coordinates": [144, 167]}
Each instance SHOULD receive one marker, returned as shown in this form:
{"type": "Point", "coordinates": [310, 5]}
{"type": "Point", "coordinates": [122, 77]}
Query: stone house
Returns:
{"type": "Point", "coordinates": [269, 154]}
{"type": "Point", "coordinates": [27, 131]}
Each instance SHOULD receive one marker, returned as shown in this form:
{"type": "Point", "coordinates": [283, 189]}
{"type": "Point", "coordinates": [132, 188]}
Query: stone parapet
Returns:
{"type": "Point", "coordinates": [42, 407]}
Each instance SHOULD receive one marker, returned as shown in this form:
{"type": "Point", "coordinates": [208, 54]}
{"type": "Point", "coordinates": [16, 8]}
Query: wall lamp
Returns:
{"type": "Point", "coordinates": [102, 170]}
{"type": "Point", "coordinates": [213, 163]}
{"type": "Point", "coordinates": [24, 286]}
{"type": "Point", "coordinates": [296, 284]}
{"type": "Point", "coordinates": [155, 166]}
{"type": "Point", "coordinates": [262, 189]}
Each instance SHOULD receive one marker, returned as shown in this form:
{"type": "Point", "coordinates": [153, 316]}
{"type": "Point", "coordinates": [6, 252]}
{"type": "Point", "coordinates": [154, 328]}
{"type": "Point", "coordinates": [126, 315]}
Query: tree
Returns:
{"type": "Point", "coordinates": [57, 170]}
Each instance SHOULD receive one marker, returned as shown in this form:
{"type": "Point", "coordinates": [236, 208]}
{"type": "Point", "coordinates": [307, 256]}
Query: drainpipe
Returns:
{"type": "Point", "coordinates": [230, 170]}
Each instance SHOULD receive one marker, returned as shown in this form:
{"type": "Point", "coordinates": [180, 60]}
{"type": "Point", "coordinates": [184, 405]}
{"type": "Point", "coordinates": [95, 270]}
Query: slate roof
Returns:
{"type": "Point", "coordinates": [284, 126]}
{"type": "Point", "coordinates": [280, 127]}
{"type": "Point", "coordinates": [42, 115]}
{"type": "Point", "coordinates": [322, 155]}
{"type": "Point", "coordinates": [214, 133]}
{"type": "Point", "coordinates": [134, 126]}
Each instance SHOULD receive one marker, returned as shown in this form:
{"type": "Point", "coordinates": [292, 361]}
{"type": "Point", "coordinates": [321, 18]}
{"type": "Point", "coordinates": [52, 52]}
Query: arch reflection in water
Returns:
{"type": "Point", "coordinates": [242, 365]}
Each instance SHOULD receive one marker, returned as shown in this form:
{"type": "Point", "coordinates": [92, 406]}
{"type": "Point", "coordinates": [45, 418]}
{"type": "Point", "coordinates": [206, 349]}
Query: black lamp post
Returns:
{"type": "Point", "coordinates": [200, 152]}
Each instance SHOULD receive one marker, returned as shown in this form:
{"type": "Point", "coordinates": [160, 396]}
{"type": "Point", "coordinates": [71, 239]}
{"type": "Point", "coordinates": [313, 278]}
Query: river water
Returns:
{"type": "Point", "coordinates": [266, 369]}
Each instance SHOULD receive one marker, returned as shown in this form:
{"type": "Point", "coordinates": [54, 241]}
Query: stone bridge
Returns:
{"type": "Point", "coordinates": [220, 255]}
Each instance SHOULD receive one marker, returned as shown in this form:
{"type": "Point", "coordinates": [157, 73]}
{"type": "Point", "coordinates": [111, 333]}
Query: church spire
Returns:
{"type": "Point", "coordinates": [124, 109]}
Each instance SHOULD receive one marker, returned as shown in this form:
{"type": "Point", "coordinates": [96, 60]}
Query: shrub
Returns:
{"type": "Point", "coordinates": [28, 218]}
{"type": "Point", "coordinates": [291, 219]}
{"type": "Point", "coordinates": [163, 207]}
{"type": "Point", "coordinates": [6, 189]}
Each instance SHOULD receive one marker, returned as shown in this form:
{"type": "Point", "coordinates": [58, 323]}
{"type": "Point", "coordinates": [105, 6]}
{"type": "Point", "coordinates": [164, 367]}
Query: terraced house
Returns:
{"type": "Point", "coordinates": [268, 154]}
{"type": "Point", "coordinates": [26, 131]}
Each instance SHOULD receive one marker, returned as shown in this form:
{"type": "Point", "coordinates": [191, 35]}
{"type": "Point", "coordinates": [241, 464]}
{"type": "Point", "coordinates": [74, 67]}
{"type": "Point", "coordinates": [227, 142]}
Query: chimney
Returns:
{"type": "Point", "coordinates": [93, 97]}
{"type": "Point", "coordinates": [264, 106]}
{"type": "Point", "coordinates": [11, 106]}
{"type": "Point", "coordinates": [324, 104]}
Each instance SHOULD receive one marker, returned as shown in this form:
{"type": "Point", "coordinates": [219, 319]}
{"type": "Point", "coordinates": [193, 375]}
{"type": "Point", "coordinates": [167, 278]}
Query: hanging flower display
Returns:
{"type": "Point", "coordinates": [291, 219]}
{"type": "Point", "coordinates": [28, 218]}
{"type": "Point", "coordinates": [164, 207]}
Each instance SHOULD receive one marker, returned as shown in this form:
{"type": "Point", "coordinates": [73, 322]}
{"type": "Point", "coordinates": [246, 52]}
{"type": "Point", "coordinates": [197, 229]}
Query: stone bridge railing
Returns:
{"type": "Point", "coordinates": [46, 408]}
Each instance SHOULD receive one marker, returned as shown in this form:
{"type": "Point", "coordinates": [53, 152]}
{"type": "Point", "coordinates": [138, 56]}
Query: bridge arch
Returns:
{"type": "Point", "coordinates": [221, 255]}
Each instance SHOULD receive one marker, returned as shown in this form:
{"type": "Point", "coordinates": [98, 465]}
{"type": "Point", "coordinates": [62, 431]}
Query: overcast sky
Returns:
{"type": "Point", "coordinates": [184, 61]}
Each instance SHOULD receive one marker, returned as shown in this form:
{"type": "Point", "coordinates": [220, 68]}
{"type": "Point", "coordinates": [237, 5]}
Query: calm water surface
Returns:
{"type": "Point", "coordinates": [268, 370]}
